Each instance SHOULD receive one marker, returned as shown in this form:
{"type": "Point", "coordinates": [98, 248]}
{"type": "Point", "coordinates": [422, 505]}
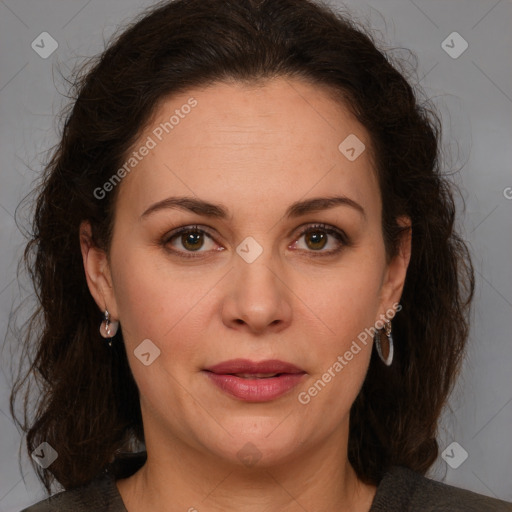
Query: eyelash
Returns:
{"type": "Point", "coordinates": [340, 236]}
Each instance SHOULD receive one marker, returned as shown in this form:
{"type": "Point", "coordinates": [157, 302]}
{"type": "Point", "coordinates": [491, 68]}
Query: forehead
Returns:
{"type": "Point", "coordinates": [279, 140]}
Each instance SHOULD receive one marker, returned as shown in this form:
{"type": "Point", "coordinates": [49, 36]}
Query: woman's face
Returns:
{"type": "Point", "coordinates": [244, 282]}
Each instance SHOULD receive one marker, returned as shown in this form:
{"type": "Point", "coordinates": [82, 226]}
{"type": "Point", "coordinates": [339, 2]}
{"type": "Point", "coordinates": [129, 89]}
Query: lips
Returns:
{"type": "Point", "coordinates": [247, 367]}
{"type": "Point", "coordinates": [255, 381]}
{"type": "Point", "coordinates": [256, 375]}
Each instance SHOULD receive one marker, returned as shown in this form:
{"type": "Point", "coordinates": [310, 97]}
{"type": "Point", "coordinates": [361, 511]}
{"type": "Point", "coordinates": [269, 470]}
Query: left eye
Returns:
{"type": "Point", "coordinates": [317, 237]}
{"type": "Point", "coordinates": [192, 239]}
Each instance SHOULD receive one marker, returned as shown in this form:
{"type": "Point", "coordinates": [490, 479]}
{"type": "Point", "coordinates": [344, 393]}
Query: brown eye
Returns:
{"type": "Point", "coordinates": [192, 240]}
{"type": "Point", "coordinates": [320, 236]}
{"type": "Point", "coordinates": [316, 240]}
{"type": "Point", "coordinates": [188, 240]}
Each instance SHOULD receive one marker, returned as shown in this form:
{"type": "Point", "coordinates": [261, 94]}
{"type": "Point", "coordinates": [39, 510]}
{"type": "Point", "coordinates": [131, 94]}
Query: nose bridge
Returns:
{"type": "Point", "coordinates": [256, 263]}
{"type": "Point", "coordinates": [259, 297]}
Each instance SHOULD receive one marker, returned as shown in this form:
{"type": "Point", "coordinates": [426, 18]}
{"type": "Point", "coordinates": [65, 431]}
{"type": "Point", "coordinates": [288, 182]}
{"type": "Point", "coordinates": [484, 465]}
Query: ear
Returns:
{"type": "Point", "coordinates": [396, 269]}
{"type": "Point", "coordinates": [97, 271]}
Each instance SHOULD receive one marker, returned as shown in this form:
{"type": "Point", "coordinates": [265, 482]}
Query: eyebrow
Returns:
{"type": "Point", "coordinates": [219, 211]}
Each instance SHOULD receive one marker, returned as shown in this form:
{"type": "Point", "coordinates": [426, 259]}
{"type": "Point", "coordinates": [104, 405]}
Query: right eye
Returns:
{"type": "Point", "coordinates": [191, 239]}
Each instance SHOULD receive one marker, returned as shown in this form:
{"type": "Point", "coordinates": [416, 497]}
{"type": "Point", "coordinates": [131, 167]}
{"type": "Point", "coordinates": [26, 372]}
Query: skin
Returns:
{"type": "Point", "coordinates": [256, 150]}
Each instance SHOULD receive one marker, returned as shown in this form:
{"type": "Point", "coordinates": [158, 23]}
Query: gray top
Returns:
{"type": "Point", "coordinates": [400, 490]}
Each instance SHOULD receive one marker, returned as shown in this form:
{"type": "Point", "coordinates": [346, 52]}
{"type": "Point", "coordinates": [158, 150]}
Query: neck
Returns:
{"type": "Point", "coordinates": [178, 478]}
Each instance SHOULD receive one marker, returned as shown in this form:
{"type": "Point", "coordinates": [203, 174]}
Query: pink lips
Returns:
{"type": "Point", "coordinates": [272, 378]}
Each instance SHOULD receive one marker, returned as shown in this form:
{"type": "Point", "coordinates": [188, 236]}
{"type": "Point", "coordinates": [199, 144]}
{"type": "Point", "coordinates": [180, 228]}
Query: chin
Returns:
{"type": "Point", "coordinates": [267, 444]}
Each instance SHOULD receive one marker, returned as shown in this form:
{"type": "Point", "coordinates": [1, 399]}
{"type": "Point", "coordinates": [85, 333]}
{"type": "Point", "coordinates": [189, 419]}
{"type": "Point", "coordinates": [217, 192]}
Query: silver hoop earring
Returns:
{"type": "Point", "coordinates": [108, 327]}
{"type": "Point", "coordinates": [385, 348]}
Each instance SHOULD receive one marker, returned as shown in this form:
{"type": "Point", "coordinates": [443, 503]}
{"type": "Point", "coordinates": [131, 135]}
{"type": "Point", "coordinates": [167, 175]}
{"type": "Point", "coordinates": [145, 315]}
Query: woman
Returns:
{"type": "Point", "coordinates": [246, 199]}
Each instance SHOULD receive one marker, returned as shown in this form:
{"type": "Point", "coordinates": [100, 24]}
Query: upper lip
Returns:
{"type": "Point", "coordinates": [247, 366]}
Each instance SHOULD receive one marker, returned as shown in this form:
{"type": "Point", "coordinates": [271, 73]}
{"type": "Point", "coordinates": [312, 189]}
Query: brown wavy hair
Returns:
{"type": "Point", "coordinates": [87, 404]}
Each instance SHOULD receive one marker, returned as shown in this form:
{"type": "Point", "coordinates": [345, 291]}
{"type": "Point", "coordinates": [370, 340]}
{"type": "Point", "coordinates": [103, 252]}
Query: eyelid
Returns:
{"type": "Point", "coordinates": [340, 236]}
{"type": "Point", "coordinates": [331, 230]}
{"type": "Point", "coordinates": [185, 229]}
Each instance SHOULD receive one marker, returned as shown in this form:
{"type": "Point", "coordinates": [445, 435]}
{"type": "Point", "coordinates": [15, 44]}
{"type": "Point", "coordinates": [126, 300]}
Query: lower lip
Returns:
{"type": "Point", "coordinates": [255, 390]}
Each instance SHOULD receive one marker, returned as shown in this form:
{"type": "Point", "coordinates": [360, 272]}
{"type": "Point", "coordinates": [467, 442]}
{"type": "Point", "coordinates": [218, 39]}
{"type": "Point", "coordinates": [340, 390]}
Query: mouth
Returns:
{"type": "Point", "coordinates": [255, 381]}
{"type": "Point", "coordinates": [261, 369]}
{"type": "Point", "coordinates": [256, 375]}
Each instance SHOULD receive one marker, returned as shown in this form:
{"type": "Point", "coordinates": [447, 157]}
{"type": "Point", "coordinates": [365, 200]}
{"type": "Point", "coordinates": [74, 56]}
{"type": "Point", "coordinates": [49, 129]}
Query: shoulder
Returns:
{"type": "Point", "coordinates": [100, 494]}
{"type": "Point", "coordinates": [96, 495]}
{"type": "Point", "coordinates": [408, 491]}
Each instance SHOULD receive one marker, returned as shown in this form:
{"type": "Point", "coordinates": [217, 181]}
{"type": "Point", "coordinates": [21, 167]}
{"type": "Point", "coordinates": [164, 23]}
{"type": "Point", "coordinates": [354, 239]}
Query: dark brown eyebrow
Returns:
{"type": "Point", "coordinates": [219, 211]}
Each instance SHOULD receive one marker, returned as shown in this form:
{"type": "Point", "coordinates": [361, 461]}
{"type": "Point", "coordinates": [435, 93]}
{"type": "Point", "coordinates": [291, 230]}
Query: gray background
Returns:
{"type": "Point", "coordinates": [473, 92]}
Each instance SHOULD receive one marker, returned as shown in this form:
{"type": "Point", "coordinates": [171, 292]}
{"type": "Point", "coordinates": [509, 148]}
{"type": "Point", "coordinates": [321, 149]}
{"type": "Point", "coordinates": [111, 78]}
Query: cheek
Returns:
{"type": "Point", "coordinates": [347, 306]}
{"type": "Point", "coordinates": [348, 301]}
{"type": "Point", "coordinates": [341, 356]}
{"type": "Point", "coordinates": [168, 306]}
{"type": "Point", "coordinates": [167, 310]}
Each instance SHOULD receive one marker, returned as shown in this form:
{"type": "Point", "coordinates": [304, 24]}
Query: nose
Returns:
{"type": "Point", "coordinates": [258, 298]}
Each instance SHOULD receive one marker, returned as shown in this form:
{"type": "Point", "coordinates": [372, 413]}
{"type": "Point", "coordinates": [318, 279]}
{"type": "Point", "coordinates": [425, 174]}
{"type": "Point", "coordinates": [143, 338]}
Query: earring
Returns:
{"type": "Point", "coordinates": [108, 328]}
{"type": "Point", "coordinates": [385, 349]}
